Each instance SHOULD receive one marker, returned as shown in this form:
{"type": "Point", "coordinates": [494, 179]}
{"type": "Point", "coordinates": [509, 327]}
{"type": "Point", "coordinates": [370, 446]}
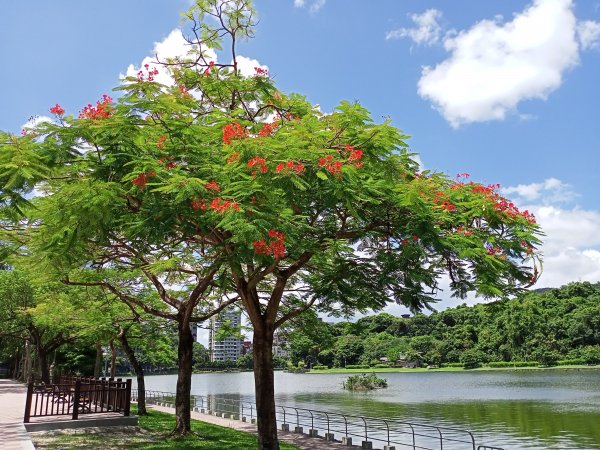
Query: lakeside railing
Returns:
{"type": "Point", "coordinates": [74, 396]}
{"type": "Point", "coordinates": [363, 430]}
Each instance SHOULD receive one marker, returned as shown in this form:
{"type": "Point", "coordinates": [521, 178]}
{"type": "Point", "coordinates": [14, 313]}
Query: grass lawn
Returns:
{"type": "Point", "coordinates": [153, 434]}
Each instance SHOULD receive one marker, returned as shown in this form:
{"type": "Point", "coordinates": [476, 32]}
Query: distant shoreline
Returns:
{"type": "Point", "coordinates": [452, 369]}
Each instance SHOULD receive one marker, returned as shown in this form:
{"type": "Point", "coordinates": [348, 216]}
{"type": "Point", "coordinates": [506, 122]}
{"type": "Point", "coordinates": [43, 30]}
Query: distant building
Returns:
{"type": "Point", "coordinates": [229, 348]}
{"type": "Point", "coordinates": [279, 345]}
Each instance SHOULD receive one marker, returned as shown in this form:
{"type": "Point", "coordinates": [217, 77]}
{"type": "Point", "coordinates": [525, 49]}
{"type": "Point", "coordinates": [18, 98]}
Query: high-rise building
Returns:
{"type": "Point", "coordinates": [229, 348]}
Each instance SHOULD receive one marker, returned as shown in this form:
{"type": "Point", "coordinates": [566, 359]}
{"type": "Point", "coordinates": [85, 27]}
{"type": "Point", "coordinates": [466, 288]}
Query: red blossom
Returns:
{"type": "Point", "coordinates": [234, 157]}
{"type": "Point", "coordinates": [161, 142]}
{"type": "Point", "coordinates": [262, 166]}
{"type": "Point", "coordinates": [223, 206]}
{"type": "Point", "coordinates": [100, 111]}
{"type": "Point", "coordinates": [141, 180]}
{"type": "Point", "coordinates": [149, 75]}
{"type": "Point", "coordinates": [57, 109]}
{"type": "Point", "coordinates": [260, 72]}
{"type": "Point", "coordinates": [233, 131]}
{"type": "Point", "coordinates": [212, 186]}
{"type": "Point", "coordinates": [198, 204]}
{"type": "Point", "coordinates": [275, 246]}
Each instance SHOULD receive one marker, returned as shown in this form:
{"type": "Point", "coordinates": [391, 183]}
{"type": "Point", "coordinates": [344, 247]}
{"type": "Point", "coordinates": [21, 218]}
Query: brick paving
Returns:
{"type": "Point", "coordinates": [13, 435]}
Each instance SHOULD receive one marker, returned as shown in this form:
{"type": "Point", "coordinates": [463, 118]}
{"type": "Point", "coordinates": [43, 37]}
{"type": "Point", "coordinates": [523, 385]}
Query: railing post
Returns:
{"type": "Point", "coordinates": [127, 398]}
{"type": "Point", "coordinates": [27, 415]}
{"type": "Point", "coordinates": [441, 438]}
{"type": "Point", "coordinates": [76, 400]}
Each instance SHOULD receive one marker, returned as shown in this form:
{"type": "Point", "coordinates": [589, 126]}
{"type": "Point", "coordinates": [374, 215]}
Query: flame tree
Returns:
{"type": "Point", "coordinates": [219, 188]}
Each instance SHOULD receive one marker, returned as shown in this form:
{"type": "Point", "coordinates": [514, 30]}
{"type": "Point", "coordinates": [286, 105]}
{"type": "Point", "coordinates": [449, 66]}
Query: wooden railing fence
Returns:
{"type": "Point", "coordinates": [74, 396]}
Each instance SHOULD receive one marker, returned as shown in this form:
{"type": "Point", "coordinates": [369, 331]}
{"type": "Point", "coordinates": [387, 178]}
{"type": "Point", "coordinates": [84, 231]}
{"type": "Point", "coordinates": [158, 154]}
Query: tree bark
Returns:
{"type": "Point", "coordinates": [43, 364]}
{"type": "Point", "coordinates": [139, 372]}
{"type": "Point", "coordinates": [184, 374]}
{"type": "Point", "coordinates": [113, 359]}
{"type": "Point", "coordinates": [98, 364]}
{"type": "Point", "coordinates": [264, 386]}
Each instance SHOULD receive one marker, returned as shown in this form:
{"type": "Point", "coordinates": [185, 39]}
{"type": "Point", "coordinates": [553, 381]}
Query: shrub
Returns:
{"type": "Point", "coordinates": [513, 364]}
{"type": "Point", "coordinates": [364, 382]}
{"type": "Point", "coordinates": [357, 366]}
{"type": "Point", "coordinates": [571, 362]}
{"type": "Point", "coordinates": [381, 366]}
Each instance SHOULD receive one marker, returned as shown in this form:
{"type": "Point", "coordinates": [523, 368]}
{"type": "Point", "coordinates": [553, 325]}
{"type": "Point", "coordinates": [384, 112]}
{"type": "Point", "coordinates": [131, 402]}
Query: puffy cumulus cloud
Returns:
{"type": "Point", "coordinates": [588, 33]}
{"type": "Point", "coordinates": [35, 121]}
{"type": "Point", "coordinates": [550, 191]}
{"type": "Point", "coordinates": [427, 31]}
{"type": "Point", "coordinates": [247, 66]}
{"type": "Point", "coordinates": [313, 6]}
{"type": "Point", "coordinates": [494, 65]}
{"type": "Point", "coordinates": [173, 46]}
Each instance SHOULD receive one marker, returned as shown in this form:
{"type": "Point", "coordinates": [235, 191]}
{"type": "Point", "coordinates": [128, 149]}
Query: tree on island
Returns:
{"type": "Point", "coordinates": [221, 188]}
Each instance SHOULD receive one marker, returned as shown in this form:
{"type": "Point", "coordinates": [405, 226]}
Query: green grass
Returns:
{"type": "Point", "coordinates": [154, 434]}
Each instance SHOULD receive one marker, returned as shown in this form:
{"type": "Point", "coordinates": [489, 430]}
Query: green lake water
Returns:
{"type": "Point", "coordinates": [524, 409]}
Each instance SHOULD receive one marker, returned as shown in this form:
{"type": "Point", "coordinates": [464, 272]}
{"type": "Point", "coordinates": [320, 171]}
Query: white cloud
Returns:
{"type": "Point", "coordinates": [427, 31]}
{"type": "Point", "coordinates": [173, 46]}
{"type": "Point", "coordinates": [246, 66]}
{"type": "Point", "coordinates": [588, 33]}
{"type": "Point", "coordinates": [35, 121]}
{"type": "Point", "coordinates": [314, 6]}
{"type": "Point", "coordinates": [550, 191]}
{"type": "Point", "coordinates": [494, 65]}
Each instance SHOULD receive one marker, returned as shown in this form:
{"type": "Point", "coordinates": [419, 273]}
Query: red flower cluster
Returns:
{"type": "Point", "coordinates": [141, 180]}
{"type": "Point", "coordinates": [212, 186]}
{"type": "Point", "coordinates": [493, 250]}
{"type": "Point", "coordinates": [464, 231]}
{"type": "Point", "coordinates": [57, 109]}
{"type": "Point", "coordinates": [528, 248]}
{"type": "Point", "coordinates": [501, 204]}
{"type": "Point", "coordinates": [100, 111]}
{"type": "Point", "coordinates": [233, 131]}
{"type": "Point", "coordinates": [161, 142]}
{"type": "Point", "coordinates": [223, 205]}
{"type": "Point", "coordinates": [260, 72]}
{"type": "Point", "coordinates": [198, 204]}
{"type": "Point", "coordinates": [183, 90]}
{"type": "Point", "coordinates": [448, 206]}
{"type": "Point", "coordinates": [168, 165]}
{"type": "Point", "coordinates": [464, 175]}
{"type": "Point", "coordinates": [289, 166]}
{"type": "Point", "coordinates": [207, 71]}
{"type": "Point", "coordinates": [149, 75]}
{"type": "Point", "coordinates": [262, 166]}
{"type": "Point", "coordinates": [415, 238]}
{"type": "Point", "coordinates": [333, 167]}
{"type": "Point", "coordinates": [234, 157]}
{"type": "Point", "coordinates": [275, 246]}
{"type": "Point", "coordinates": [268, 129]}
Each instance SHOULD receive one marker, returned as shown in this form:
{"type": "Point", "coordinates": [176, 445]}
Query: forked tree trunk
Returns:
{"type": "Point", "coordinates": [264, 386]}
{"type": "Point", "coordinates": [184, 377]}
{"type": "Point", "coordinates": [139, 373]}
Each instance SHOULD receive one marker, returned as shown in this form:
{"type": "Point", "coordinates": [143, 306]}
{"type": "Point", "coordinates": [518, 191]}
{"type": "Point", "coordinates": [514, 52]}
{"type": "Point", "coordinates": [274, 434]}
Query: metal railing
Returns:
{"type": "Point", "coordinates": [73, 396]}
{"type": "Point", "coordinates": [363, 430]}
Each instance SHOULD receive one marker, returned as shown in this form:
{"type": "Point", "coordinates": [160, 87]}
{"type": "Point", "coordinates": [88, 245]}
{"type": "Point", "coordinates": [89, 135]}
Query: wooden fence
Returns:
{"type": "Point", "coordinates": [74, 396]}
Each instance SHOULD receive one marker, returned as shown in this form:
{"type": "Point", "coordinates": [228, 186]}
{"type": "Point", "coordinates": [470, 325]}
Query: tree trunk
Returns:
{"type": "Point", "coordinates": [139, 372]}
{"type": "Point", "coordinates": [43, 364]}
{"type": "Point", "coordinates": [98, 364]}
{"type": "Point", "coordinates": [184, 376]}
{"type": "Point", "coordinates": [113, 358]}
{"type": "Point", "coordinates": [264, 387]}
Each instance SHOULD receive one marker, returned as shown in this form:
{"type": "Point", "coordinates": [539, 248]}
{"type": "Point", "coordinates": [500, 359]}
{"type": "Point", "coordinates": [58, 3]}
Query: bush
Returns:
{"type": "Point", "coordinates": [455, 364]}
{"type": "Point", "coordinates": [357, 366]}
{"type": "Point", "coordinates": [381, 366]}
{"type": "Point", "coordinates": [319, 367]}
{"type": "Point", "coordinates": [472, 359]}
{"type": "Point", "coordinates": [571, 362]}
{"type": "Point", "coordinates": [513, 364]}
{"type": "Point", "coordinates": [364, 382]}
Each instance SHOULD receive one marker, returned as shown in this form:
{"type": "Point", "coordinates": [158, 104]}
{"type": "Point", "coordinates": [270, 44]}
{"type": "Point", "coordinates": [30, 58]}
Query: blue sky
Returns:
{"type": "Point", "coordinates": [504, 90]}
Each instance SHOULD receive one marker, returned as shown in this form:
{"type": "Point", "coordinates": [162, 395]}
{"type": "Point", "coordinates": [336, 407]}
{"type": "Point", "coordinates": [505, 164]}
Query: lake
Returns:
{"type": "Point", "coordinates": [521, 409]}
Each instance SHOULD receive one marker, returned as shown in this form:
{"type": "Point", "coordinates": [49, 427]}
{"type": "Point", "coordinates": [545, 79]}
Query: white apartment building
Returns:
{"type": "Point", "coordinates": [229, 348]}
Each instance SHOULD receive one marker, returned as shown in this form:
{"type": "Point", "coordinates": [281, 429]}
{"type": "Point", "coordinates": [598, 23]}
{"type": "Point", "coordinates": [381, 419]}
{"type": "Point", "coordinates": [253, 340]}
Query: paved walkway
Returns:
{"type": "Point", "coordinates": [302, 441]}
{"type": "Point", "coordinates": [12, 405]}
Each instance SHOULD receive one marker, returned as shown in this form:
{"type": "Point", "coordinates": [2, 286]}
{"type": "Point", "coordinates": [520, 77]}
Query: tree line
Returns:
{"type": "Point", "coordinates": [539, 327]}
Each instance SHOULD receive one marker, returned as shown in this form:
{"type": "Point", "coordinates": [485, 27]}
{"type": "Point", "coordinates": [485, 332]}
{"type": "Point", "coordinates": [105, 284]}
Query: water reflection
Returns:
{"type": "Point", "coordinates": [515, 410]}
